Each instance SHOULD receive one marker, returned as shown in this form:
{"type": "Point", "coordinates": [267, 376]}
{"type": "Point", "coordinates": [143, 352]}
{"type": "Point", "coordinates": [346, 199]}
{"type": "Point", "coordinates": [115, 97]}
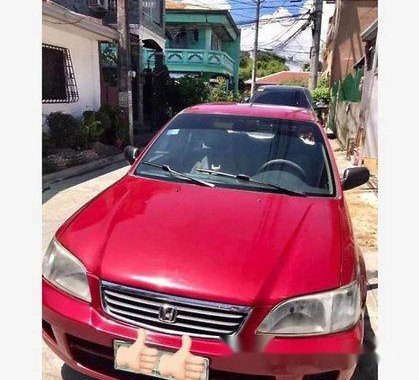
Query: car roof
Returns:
{"type": "Point", "coordinates": [255, 110]}
{"type": "Point", "coordinates": [273, 87]}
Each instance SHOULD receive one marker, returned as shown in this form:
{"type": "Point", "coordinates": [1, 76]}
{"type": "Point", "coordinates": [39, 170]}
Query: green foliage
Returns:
{"type": "Point", "coordinates": [106, 122]}
{"type": "Point", "coordinates": [321, 94]}
{"type": "Point", "coordinates": [220, 92]}
{"type": "Point", "coordinates": [322, 91]}
{"type": "Point", "coordinates": [106, 125]}
{"type": "Point", "coordinates": [47, 143]}
{"type": "Point", "coordinates": [267, 63]}
{"type": "Point", "coordinates": [64, 130]}
{"type": "Point", "coordinates": [104, 119]}
{"type": "Point", "coordinates": [118, 130]}
{"type": "Point", "coordinates": [109, 55]}
{"type": "Point", "coordinates": [323, 82]}
{"type": "Point", "coordinates": [91, 129]}
{"type": "Point", "coordinates": [47, 166]}
{"type": "Point", "coordinates": [188, 91]}
{"type": "Point", "coordinates": [121, 131]}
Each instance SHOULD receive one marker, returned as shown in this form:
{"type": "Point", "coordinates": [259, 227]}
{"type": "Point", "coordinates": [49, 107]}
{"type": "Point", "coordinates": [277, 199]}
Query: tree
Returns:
{"type": "Point", "coordinates": [322, 91]}
{"type": "Point", "coordinates": [220, 92]}
{"type": "Point", "coordinates": [267, 63]}
{"type": "Point", "coordinates": [187, 91]}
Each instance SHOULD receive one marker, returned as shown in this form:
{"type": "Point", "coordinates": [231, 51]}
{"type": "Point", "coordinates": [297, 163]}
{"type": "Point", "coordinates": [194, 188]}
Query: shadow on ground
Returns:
{"type": "Point", "coordinates": [367, 368]}
{"type": "Point", "coordinates": [48, 191]}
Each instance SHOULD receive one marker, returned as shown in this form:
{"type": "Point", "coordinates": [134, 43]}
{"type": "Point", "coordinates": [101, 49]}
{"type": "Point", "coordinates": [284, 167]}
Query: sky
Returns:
{"type": "Point", "coordinates": [273, 33]}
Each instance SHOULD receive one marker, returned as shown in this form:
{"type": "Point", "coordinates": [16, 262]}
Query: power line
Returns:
{"type": "Point", "coordinates": [178, 26]}
{"type": "Point", "coordinates": [284, 33]}
{"type": "Point", "coordinates": [248, 22]}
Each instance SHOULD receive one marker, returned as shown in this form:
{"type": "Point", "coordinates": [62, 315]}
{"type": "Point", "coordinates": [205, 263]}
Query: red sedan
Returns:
{"type": "Point", "coordinates": [230, 227]}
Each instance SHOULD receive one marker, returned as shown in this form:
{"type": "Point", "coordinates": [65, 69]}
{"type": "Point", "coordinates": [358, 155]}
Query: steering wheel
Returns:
{"type": "Point", "coordinates": [281, 162]}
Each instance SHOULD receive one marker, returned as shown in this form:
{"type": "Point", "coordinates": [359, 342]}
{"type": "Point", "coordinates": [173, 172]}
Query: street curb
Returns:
{"type": "Point", "coordinates": [80, 169]}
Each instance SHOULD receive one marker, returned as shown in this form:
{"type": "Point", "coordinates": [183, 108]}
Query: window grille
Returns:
{"type": "Point", "coordinates": [152, 9]}
{"type": "Point", "coordinates": [58, 79]}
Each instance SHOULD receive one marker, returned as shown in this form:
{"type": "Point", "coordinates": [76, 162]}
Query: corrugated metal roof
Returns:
{"type": "Point", "coordinates": [282, 77]}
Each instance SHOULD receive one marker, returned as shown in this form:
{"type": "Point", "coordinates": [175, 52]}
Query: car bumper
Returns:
{"type": "Point", "coordinates": [82, 335]}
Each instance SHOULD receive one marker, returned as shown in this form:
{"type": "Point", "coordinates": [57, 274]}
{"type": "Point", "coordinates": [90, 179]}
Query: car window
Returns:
{"type": "Point", "coordinates": [284, 97]}
{"type": "Point", "coordinates": [290, 154]}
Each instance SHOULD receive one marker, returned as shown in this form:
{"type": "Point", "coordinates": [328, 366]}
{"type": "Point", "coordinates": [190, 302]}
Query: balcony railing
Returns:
{"type": "Point", "coordinates": [193, 60]}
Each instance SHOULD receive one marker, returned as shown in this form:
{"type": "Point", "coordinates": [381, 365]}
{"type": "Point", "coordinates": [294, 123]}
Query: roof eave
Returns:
{"type": "Point", "coordinates": [224, 12]}
{"type": "Point", "coordinates": [371, 32]}
{"type": "Point", "coordinates": [64, 15]}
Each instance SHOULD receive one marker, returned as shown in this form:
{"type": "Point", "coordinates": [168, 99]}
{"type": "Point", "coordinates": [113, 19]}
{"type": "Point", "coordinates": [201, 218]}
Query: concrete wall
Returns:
{"type": "Point", "coordinates": [347, 121]}
{"type": "Point", "coordinates": [84, 53]}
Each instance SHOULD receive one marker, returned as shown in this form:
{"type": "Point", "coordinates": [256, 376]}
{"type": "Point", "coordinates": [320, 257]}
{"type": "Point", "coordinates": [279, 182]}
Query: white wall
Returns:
{"type": "Point", "coordinates": [85, 57]}
{"type": "Point", "coordinates": [371, 138]}
{"type": "Point", "coordinates": [370, 108]}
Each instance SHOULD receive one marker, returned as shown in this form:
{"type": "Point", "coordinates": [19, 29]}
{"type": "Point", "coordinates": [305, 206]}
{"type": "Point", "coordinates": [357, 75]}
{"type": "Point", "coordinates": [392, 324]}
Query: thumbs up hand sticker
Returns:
{"type": "Point", "coordinates": [138, 357]}
{"type": "Point", "coordinates": [182, 365]}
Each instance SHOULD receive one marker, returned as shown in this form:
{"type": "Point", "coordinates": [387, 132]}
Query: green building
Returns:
{"type": "Point", "coordinates": [202, 42]}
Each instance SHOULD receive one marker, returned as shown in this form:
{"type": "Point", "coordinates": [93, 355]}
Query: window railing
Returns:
{"type": "Point", "coordinates": [152, 11]}
{"type": "Point", "coordinates": [58, 79]}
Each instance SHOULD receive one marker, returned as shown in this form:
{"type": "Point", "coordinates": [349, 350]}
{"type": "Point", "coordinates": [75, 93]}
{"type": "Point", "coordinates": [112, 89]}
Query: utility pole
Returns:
{"type": "Point", "coordinates": [315, 48]}
{"type": "Point", "coordinates": [124, 67]}
{"type": "Point", "coordinates": [140, 74]}
{"type": "Point", "coordinates": [255, 48]}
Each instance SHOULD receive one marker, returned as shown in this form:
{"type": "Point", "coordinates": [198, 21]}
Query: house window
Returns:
{"type": "Point", "coordinates": [58, 80]}
{"type": "Point", "coordinates": [153, 9]}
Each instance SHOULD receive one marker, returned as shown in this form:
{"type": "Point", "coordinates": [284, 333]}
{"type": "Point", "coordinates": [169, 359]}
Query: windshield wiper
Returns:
{"type": "Point", "coordinates": [244, 177]}
{"type": "Point", "coordinates": [175, 173]}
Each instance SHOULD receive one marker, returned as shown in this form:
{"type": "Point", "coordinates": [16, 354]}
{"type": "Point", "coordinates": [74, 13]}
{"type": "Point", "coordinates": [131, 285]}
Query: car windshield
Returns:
{"type": "Point", "coordinates": [283, 153]}
{"type": "Point", "coordinates": [284, 97]}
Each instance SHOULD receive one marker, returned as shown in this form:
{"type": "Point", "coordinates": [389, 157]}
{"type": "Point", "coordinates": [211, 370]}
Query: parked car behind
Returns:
{"type": "Point", "coordinates": [295, 96]}
{"type": "Point", "coordinates": [231, 227]}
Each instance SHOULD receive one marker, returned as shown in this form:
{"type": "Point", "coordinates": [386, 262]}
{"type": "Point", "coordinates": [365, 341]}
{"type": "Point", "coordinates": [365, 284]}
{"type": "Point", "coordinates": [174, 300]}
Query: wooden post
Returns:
{"type": "Point", "coordinates": [124, 67]}
{"type": "Point", "coordinates": [315, 49]}
{"type": "Point", "coordinates": [255, 49]}
{"type": "Point", "coordinates": [140, 67]}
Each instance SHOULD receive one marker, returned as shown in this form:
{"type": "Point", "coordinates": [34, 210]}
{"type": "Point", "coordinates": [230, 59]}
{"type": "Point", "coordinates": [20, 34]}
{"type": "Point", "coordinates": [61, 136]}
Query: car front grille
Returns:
{"type": "Point", "coordinates": [171, 314]}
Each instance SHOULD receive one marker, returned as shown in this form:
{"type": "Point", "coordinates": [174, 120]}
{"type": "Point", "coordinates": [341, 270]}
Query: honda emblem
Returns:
{"type": "Point", "coordinates": [167, 314]}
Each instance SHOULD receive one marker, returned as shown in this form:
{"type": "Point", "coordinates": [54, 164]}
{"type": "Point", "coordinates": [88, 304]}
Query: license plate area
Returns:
{"type": "Point", "coordinates": [155, 373]}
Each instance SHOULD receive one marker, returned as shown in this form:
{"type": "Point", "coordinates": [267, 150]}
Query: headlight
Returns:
{"type": "Point", "coordinates": [65, 271]}
{"type": "Point", "coordinates": [316, 314]}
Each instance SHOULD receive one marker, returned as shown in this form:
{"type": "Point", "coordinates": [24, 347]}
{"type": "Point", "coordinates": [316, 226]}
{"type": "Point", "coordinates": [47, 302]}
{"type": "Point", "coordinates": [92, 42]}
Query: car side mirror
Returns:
{"type": "Point", "coordinates": [353, 177]}
{"type": "Point", "coordinates": [131, 153]}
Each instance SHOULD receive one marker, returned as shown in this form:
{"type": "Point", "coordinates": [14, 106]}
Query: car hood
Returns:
{"type": "Point", "coordinates": [225, 245]}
